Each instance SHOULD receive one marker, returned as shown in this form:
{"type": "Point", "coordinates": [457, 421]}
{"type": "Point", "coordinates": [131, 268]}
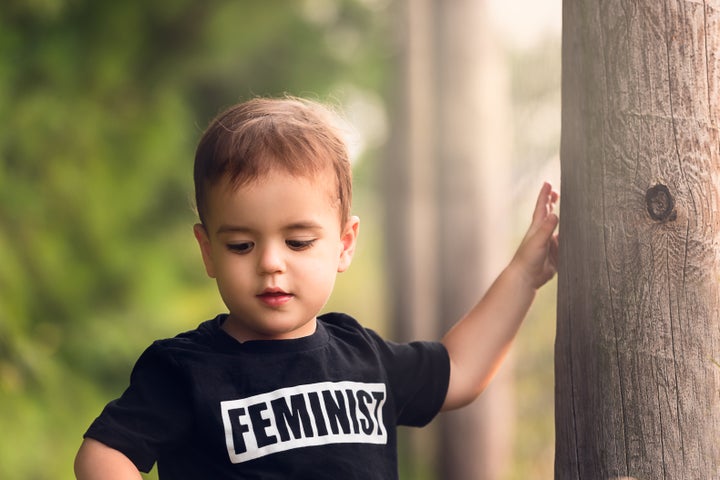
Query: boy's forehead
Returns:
{"type": "Point", "coordinates": [323, 182]}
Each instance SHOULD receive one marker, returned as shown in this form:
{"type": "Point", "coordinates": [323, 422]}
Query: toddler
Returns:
{"type": "Point", "coordinates": [270, 389]}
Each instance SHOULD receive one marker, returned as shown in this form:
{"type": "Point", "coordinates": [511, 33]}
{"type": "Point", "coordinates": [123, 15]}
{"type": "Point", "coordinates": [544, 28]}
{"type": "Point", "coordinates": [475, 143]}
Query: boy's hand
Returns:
{"type": "Point", "coordinates": [537, 255]}
{"type": "Point", "coordinates": [480, 340]}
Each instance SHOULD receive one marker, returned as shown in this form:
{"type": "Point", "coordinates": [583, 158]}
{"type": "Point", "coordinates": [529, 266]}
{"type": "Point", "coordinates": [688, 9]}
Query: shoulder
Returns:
{"type": "Point", "coordinates": [343, 326]}
{"type": "Point", "coordinates": [205, 335]}
{"type": "Point", "coordinates": [335, 320]}
{"type": "Point", "coordinates": [192, 344]}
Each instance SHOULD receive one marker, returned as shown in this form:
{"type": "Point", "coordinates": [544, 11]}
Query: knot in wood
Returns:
{"type": "Point", "coordinates": [660, 203]}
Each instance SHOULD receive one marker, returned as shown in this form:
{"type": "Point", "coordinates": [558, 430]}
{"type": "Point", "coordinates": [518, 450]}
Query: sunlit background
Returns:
{"type": "Point", "coordinates": [102, 103]}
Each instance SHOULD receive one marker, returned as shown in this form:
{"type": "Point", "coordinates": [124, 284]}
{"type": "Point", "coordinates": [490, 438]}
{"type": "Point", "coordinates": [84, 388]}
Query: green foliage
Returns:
{"type": "Point", "coordinates": [101, 104]}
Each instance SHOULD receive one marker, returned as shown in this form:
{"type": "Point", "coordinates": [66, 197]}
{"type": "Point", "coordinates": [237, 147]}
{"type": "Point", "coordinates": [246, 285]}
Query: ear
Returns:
{"type": "Point", "coordinates": [203, 240]}
{"type": "Point", "coordinates": [348, 238]}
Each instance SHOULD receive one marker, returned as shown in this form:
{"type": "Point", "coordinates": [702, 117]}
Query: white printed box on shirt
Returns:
{"type": "Point", "coordinates": [302, 416]}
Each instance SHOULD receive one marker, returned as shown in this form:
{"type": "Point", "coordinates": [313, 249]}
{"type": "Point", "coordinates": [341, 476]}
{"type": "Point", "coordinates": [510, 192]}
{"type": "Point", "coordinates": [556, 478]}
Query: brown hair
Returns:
{"type": "Point", "coordinates": [251, 139]}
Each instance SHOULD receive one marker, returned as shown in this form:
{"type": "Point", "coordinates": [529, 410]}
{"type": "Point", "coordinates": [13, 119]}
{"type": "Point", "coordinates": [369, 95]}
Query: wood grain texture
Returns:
{"type": "Point", "coordinates": [637, 383]}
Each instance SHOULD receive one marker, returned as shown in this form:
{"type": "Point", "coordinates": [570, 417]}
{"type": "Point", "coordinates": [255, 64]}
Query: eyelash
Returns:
{"type": "Point", "coordinates": [299, 245]}
{"type": "Point", "coordinates": [241, 248]}
{"type": "Point", "coordinates": [246, 247]}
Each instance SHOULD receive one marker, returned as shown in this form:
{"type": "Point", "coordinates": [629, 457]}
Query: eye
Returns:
{"type": "Point", "coordinates": [298, 245]}
{"type": "Point", "coordinates": [241, 248]}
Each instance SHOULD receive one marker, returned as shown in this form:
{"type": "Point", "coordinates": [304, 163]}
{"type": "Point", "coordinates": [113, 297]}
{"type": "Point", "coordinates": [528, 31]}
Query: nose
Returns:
{"type": "Point", "coordinates": [270, 260]}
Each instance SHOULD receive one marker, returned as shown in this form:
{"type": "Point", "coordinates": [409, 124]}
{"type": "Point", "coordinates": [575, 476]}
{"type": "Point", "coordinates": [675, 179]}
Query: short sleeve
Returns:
{"type": "Point", "coordinates": [153, 414]}
{"type": "Point", "coordinates": [419, 374]}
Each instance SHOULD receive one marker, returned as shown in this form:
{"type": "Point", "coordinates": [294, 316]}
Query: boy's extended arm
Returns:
{"type": "Point", "coordinates": [96, 460]}
{"type": "Point", "coordinates": [478, 343]}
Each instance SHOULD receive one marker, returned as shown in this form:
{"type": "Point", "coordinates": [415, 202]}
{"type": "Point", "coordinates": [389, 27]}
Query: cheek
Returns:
{"type": "Point", "coordinates": [315, 269]}
{"type": "Point", "coordinates": [235, 287]}
{"type": "Point", "coordinates": [326, 260]}
{"type": "Point", "coordinates": [233, 271]}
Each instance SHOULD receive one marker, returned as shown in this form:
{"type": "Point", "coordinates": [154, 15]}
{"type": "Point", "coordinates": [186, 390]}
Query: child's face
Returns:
{"type": "Point", "coordinates": [274, 247]}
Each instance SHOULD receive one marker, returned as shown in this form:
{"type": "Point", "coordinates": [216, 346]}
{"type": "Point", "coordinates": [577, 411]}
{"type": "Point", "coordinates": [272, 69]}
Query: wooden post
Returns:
{"type": "Point", "coordinates": [638, 339]}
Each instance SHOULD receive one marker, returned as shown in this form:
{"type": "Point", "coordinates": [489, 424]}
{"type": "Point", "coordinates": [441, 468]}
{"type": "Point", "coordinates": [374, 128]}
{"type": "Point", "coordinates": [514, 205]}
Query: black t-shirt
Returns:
{"type": "Point", "coordinates": [205, 406]}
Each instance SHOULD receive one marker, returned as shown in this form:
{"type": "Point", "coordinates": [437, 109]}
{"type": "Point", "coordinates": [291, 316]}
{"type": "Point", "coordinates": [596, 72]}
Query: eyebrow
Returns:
{"type": "Point", "coordinates": [307, 225]}
{"type": "Point", "coordinates": [233, 229]}
{"type": "Point", "coordinates": [302, 225]}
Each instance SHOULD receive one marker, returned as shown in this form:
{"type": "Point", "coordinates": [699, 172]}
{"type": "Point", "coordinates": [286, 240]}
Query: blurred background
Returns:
{"type": "Point", "coordinates": [456, 115]}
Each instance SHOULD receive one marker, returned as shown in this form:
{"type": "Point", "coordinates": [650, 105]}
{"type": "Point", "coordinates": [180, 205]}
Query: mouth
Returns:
{"type": "Point", "coordinates": [274, 297]}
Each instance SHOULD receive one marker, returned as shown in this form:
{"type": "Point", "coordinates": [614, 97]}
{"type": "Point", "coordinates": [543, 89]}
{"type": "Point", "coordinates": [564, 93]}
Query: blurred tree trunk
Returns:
{"type": "Point", "coordinates": [638, 340]}
{"type": "Point", "coordinates": [447, 211]}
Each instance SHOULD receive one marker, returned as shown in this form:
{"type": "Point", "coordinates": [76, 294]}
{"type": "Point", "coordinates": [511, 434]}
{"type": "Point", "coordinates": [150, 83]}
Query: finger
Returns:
{"type": "Point", "coordinates": [538, 238]}
{"type": "Point", "coordinates": [554, 250]}
{"type": "Point", "coordinates": [554, 197]}
{"type": "Point", "coordinates": [543, 205]}
{"type": "Point", "coordinates": [549, 224]}
{"type": "Point", "coordinates": [544, 232]}
{"type": "Point", "coordinates": [542, 202]}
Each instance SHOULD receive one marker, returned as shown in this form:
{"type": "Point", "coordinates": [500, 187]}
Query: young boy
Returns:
{"type": "Point", "coordinates": [270, 390]}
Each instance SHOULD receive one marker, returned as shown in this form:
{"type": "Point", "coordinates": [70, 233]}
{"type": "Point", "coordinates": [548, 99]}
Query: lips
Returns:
{"type": "Point", "coordinates": [273, 297]}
